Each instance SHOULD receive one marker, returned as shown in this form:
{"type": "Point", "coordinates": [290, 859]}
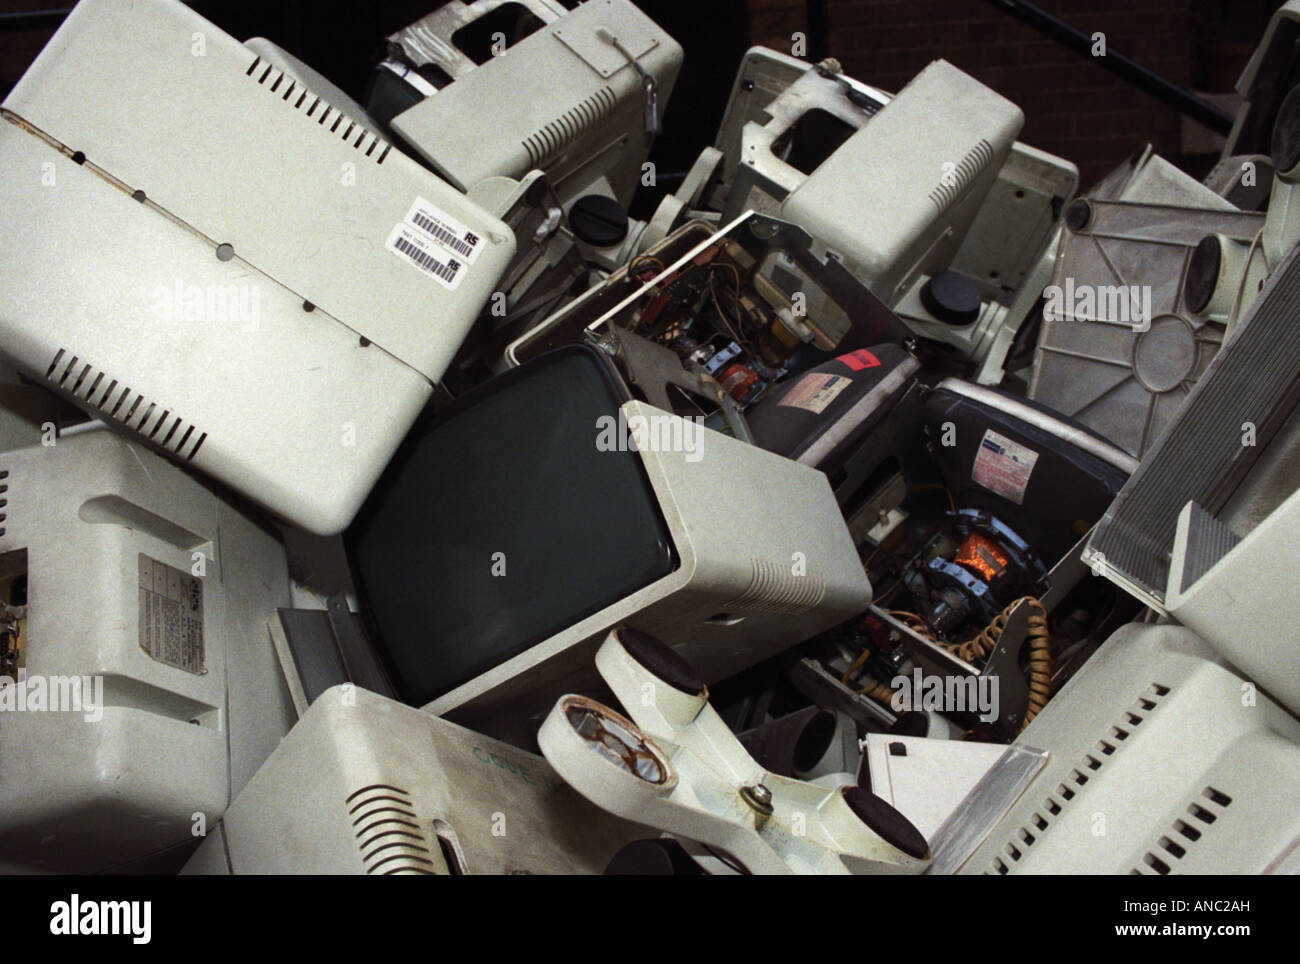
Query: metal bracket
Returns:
{"type": "Point", "coordinates": [320, 648]}
{"type": "Point", "coordinates": [1004, 663]}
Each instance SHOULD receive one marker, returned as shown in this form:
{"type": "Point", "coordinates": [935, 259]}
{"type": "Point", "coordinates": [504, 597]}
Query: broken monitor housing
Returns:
{"type": "Point", "coordinates": [963, 284]}
{"type": "Point", "coordinates": [696, 326]}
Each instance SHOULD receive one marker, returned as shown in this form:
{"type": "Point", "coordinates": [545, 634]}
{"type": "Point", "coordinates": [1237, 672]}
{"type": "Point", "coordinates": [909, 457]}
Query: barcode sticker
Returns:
{"type": "Point", "coordinates": [416, 248]}
{"type": "Point", "coordinates": [446, 230]}
{"type": "Point", "coordinates": [435, 242]}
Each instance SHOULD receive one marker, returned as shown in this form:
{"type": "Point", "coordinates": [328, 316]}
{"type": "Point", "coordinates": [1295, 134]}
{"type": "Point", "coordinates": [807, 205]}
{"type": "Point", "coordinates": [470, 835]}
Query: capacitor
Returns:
{"type": "Point", "coordinates": [737, 380]}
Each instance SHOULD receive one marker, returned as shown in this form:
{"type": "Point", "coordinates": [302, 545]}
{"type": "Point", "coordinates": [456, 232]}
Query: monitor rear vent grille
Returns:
{"type": "Point", "coordinates": [776, 588]}
{"type": "Point", "coordinates": [116, 402]}
{"type": "Point", "coordinates": [1185, 831]}
{"type": "Point", "coordinates": [301, 99]}
{"type": "Point", "coordinates": [543, 144]}
{"type": "Point", "coordinates": [1024, 837]}
{"type": "Point", "coordinates": [956, 179]}
{"type": "Point", "coordinates": [388, 832]}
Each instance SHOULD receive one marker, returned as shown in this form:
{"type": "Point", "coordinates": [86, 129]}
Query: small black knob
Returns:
{"type": "Point", "coordinates": [1078, 214]}
{"type": "Point", "coordinates": [1203, 274]}
{"type": "Point", "coordinates": [598, 220]}
{"type": "Point", "coordinates": [952, 298]}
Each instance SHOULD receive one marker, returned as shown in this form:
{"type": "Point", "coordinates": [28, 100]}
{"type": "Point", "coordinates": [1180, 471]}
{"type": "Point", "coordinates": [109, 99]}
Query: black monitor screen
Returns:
{"type": "Point", "coordinates": [500, 523]}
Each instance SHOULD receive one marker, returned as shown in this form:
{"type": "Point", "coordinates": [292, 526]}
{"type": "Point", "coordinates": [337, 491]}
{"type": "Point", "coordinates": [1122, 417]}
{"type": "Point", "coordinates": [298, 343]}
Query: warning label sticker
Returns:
{"type": "Point", "coordinates": [859, 360]}
{"type": "Point", "coordinates": [171, 615]}
{"type": "Point", "coordinates": [435, 242]}
{"type": "Point", "coordinates": [815, 391]}
{"type": "Point", "coordinates": [1004, 466]}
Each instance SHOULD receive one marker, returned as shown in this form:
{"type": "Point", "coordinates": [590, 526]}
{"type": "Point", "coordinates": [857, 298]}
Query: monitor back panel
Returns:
{"type": "Point", "coordinates": [146, 689]}
{"type": "Point", "coordinates": [564, 100]}
{"type": "Point", "coordinates": [204, 252]}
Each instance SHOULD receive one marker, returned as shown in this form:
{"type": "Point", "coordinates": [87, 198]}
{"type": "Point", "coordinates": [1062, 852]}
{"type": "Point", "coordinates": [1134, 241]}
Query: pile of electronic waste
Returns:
{"type": "Point", "coordinates": [381, 497]}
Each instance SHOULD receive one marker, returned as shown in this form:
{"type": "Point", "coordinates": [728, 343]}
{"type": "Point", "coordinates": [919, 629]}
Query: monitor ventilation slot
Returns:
{"type": "Point", "coordinates": [388, 832]}
{"type": "Point", "coordinates": [4, 500]}
{"type": "Point", "coordinates": [957, 179]}
{"type": "Point", "coordinates": [1184, 833]}
{"type": "Point", "coordinates": [774, 588]}
{"type": "Point", "coordinates": [543, 144]}
{"type": "Point", "coordinates": [1024, 837]}
{"type": "Point", "coordinates": [292, 92]}
{"type": "Point", "coordinates": [115, 402]}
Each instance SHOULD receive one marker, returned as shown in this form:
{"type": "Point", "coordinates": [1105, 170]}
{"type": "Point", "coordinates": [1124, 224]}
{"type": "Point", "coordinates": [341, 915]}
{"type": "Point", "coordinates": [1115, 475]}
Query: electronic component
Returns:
{"type": "Point", "coordinates": [702, 295]}
{"type": "Point", "coordinates": [991, 568]}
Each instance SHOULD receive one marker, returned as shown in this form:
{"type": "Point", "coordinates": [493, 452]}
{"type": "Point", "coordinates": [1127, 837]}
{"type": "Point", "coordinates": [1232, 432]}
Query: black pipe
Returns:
{"type": "Point", "coordinates": [33, 19]}
{"type": "Point", "coordinates": [817, 22]}
{"type": "Point", "coordinates": [1181, 99]}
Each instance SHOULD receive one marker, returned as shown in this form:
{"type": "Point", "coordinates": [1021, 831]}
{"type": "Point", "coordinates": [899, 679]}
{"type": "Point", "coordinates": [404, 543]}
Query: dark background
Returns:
{"type": "Point", "coordinates": [1073, 108]}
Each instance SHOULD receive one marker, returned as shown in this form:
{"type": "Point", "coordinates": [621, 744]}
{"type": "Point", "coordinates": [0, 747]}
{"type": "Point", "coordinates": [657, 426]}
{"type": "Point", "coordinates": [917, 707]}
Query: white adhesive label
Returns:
{"type": "Point", "coordinates": [433, 241]}
{"type": "Point", "coordinates": [171, 615]}
{"type": "Point", "coordinates": [815, 391]}
{"type": "Point", "coordinates": [1004, 466]}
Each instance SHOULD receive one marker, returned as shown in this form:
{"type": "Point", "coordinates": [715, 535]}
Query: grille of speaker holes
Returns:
{"type": "Point", "coordinates": [775, 588]}
{"type": "Point", "coordinates": [547, 141]}
{"type": "Point", "coordinates": [117, 402]}
{"type": "Point", "coordinates": [304, 101]}
{"type": "Point", "coordinates": [388, 833]}
{"type": "Point", "coordinates": [1024, 837]}
{"type": "Point", "coordinates": [953, 184]}
{"type": "Point", "coordinates": [1172, 847]}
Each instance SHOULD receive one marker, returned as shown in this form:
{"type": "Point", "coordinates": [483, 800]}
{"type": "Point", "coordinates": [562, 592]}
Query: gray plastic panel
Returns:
{"type": "Point", "coordinates": [1202, 455]}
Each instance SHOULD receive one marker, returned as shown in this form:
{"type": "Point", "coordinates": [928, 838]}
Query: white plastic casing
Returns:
{"type": "Point", "coordinates": [365, 785]}
{"type": "Point", "coordinates": [766, 561]}
{"type": "Point", "coordinates": [563, 99]}
{"type": "Point", "coordinates": [896, 199]}
{"type": "Point", "coordinates": [80, 794]}
{"type": "Point", "coordinates": [1161, 761]}
{"type": "Point", "coordinates": [219, 273]}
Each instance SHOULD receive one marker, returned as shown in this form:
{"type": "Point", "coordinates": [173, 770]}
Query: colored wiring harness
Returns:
{"type": "Point", "coordinates": [978, 648]}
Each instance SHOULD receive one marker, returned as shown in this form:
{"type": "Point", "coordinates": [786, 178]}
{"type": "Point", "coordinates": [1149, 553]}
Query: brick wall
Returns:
{"type": "Point", "coordinates": [18, 48]}
{"type": "Point", "coordinates": [1073, 107]}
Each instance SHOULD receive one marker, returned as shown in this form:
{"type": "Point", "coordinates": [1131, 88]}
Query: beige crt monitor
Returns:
{"type": "Point", "coordinates": [202, 251]}
{"type": "Point", "coordinates": [766, 562]}
{"type": "Point", "coordinates": [140, 688]}
{"type": "Point", "coordinates": [1161, 760]}
{"type": "Point", "coordinates": [366, 785]}
{"type": "Point", "coordinates": [895, 200]}
{"type": "Point", "coordinates": [568, 99]}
